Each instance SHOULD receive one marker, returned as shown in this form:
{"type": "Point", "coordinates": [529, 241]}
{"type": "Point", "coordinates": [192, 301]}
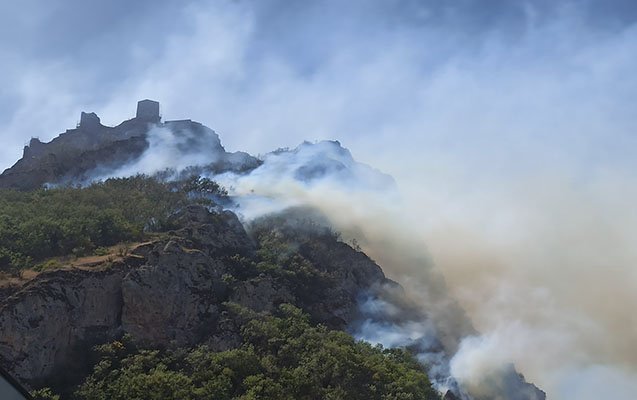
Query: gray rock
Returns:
{"type": "Point", "coordinates": [175, 298]}
{"type": "Point", "coordinates": [260, 294]}
{"type": "Point", "coordinates": [41, 325]}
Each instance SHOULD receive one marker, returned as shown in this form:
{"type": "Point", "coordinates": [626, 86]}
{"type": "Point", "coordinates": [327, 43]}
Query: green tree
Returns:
{"type": "Point", "coordinates": [282, 357]}
{"type": "Point", "coordinates": [70, 220]}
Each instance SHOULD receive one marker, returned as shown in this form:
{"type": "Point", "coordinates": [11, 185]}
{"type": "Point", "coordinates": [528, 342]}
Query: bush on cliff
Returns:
{"type": "Point", "coordinates": [282, 357]}
{"type": "Point", "coordinates": [75, 221]}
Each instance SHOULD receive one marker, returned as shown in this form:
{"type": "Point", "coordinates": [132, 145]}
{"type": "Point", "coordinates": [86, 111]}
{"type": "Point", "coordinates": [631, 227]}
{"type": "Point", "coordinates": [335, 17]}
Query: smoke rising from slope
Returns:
{"type": "Point", "coordinates": [364, 204]}
{"type": "Point", "coordinates": [498, 269]}
{"type": "Point", "coordinates": [508, 126]}
{"type": "Point", "coordinates": [545, 273]}
{"type": "Point", "coordinates": [170, 151]}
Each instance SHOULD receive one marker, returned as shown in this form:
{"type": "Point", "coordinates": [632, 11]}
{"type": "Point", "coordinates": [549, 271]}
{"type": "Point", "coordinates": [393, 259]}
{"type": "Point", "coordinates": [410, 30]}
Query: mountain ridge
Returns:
{"type": "Point", "coordinates": [92, 149]}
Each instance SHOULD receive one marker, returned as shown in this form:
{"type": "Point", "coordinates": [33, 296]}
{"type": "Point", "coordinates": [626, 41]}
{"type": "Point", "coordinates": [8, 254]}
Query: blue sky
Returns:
{"type": "Point", "coordinates": [510, 127]}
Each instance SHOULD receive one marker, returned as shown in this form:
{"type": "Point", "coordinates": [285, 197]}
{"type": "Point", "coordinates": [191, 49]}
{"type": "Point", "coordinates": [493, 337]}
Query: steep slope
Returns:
{"type": "Point", "coordinates": [177, 290]}
{"type": "Point", "coordinates": [174, 292]}
{"type": "Point", "coordinates": [171, 292]}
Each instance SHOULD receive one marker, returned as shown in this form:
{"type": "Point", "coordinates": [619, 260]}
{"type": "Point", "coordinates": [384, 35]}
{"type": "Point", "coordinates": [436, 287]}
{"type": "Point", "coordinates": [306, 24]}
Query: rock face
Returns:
{"type": "Point", "coordinates": [45, 323]}
{"type": "Point", "coordinates": [92, 149]}
{"type": "Point", "coordinates": [174, 291]}
{"type": "Point", "coordinates": [168, 292]}
{"type": "Point", "coordinates": [175, 296]}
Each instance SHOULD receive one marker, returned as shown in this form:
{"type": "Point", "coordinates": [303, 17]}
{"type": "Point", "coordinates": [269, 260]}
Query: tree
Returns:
{"type": "Point", "coordinates": [282, 357]}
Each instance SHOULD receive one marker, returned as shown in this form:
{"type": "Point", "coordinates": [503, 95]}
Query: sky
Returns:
{"type": "Point", "coordinates": [509, 126]}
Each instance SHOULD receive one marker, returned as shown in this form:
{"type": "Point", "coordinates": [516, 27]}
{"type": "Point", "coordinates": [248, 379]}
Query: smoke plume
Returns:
{"type": "Point", "coordinates": [509, 128]}
{"type": "Point", "coordinates": [497, 270]}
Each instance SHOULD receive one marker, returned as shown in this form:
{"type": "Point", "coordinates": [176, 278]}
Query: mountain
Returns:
{"type": "Point", "coordinates": [158, 272]}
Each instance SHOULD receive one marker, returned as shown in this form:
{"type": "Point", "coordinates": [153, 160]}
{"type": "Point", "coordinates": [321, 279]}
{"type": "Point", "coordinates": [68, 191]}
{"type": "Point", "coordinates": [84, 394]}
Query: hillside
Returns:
{"type": "Point", "coordinates": [151, 287]}
{"type": "Point", "coordinates": [197, 285]}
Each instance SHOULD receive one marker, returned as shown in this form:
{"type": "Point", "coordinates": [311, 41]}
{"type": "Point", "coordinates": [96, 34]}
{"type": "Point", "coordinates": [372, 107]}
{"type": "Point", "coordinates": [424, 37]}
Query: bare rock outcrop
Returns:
{"type": "Point", "coordinates": [43, 325]}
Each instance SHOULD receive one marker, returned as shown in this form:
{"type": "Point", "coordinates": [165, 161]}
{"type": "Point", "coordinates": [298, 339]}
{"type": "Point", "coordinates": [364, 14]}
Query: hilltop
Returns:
{"type": "Point", "coordinates": [141, 286]}
{"type": "Point", "coordinates": [92, 150]}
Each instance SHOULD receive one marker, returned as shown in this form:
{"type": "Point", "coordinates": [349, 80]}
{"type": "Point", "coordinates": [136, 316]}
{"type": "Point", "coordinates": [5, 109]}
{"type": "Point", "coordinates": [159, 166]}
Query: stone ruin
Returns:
{"type": "Point", "coordinates": [89, 122]}
{"type": "Point", "coordinates": [148, 110]}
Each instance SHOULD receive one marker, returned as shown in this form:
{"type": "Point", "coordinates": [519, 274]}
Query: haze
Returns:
{"type": "Point", "coordinates": [510, 128]}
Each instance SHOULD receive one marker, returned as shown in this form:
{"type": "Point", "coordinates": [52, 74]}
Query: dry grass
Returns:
{"type": "Point", "coordinates": [111, 254]}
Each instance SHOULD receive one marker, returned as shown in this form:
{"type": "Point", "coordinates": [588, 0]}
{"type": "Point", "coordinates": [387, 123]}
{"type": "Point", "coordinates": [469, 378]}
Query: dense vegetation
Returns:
{"type": "Point", "coordinates": [69, 220]}
{"type": "Point", "coordinates": [282, 357]}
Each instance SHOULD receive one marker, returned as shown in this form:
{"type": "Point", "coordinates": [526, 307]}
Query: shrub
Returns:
{"type": "Point", "coordinates": [282, 357]}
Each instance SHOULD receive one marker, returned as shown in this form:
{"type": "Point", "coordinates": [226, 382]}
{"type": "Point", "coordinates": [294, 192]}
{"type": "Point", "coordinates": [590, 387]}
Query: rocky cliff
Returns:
{"type": "Point", "coordinates": [170, 292]}
{"type": "Point", "coordinates": [174, 292]}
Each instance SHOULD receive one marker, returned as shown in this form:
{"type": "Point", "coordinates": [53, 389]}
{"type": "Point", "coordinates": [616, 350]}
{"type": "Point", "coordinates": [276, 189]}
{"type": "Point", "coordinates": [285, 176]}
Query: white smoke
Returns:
{"type": "Point", "coordinates": [364, 204]}
{"type": "Point", "coordinates": [544, 271]}
{"type": "Point", "coordinates": [509, 127]}
{"type": "Point", "coordinates": [549, 335]}
{"type": "Point", "coordinates": [387, 325]}
{"type": "Point", "coordinates": [171, 150]}
{"type": "Point", "coordinates": [521, 321]}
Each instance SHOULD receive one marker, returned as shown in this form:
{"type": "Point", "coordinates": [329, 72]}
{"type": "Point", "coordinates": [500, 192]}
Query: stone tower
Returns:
{"type": "Point", "coordinates": [148, 110]}
{"type": "Point", "coordinates": [89, 121]}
